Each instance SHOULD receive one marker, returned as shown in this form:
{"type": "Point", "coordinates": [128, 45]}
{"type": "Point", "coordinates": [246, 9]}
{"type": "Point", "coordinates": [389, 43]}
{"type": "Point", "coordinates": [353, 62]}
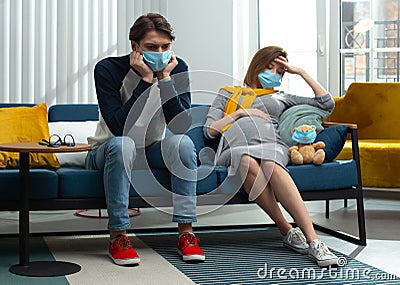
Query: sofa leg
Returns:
{"type": "Point", "coordinates": [362, 236]}
{"type": "Point", "coordinates": [361, 221]}
{"type": "Point", "coordinates": [327, 209]}
{"type": "Point", "coordinates": [345, 203]}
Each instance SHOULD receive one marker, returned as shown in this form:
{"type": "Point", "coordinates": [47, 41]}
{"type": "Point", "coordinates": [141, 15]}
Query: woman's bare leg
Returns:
{"type": "Point", "coordinates": [288, 195]}
{"type": "Point", "coordinates": [255, 184]}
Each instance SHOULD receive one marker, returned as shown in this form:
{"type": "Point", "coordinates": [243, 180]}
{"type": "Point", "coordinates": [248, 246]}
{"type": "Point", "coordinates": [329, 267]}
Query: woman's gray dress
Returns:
{"type": "Point", "coordinates": [254, 136]}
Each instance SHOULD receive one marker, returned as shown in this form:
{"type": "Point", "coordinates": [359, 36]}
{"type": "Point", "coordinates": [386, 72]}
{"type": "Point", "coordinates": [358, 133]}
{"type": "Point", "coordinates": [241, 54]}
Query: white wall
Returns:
{"type": "Point", "coordinates": [217, 38]}
{"type": "Point", "coordinates": [203, 33]}
{"type": "Point", "coordinates": [204, 38]}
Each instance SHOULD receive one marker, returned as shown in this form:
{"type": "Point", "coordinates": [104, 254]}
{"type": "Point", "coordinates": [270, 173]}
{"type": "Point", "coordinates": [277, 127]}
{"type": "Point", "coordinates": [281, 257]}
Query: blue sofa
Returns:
{"type": "Point", "coordinates": [78, 188]}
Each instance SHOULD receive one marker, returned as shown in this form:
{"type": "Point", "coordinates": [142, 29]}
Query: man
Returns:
{"type": "Point", "coordinates": [126, 99]}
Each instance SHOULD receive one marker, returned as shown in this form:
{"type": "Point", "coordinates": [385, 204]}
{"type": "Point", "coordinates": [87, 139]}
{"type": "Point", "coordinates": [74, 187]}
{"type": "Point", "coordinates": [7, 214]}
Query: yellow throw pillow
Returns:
{"type": "Point", "coordinates": [25, 124]}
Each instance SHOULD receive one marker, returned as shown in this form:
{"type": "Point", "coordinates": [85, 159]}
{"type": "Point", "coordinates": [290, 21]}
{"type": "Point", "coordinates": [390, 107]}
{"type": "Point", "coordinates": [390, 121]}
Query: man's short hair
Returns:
{"type": "Point", "coordinates": [147, 22]}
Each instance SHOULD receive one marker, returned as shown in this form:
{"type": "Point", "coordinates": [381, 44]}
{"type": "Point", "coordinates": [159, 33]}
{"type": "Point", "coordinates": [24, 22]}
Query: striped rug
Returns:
{"type": "Point", "coordinates": [258, 257]}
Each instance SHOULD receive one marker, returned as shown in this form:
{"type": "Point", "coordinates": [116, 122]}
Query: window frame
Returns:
{"type": "Point", "coordinates": [336, 82]}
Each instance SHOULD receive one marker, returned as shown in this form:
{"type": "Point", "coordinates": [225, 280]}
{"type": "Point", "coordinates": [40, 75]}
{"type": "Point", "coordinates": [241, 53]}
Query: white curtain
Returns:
{"type": "Point", "coordinates": [48, 48]}
{"type": "Point", "coordinates": [245, 35]}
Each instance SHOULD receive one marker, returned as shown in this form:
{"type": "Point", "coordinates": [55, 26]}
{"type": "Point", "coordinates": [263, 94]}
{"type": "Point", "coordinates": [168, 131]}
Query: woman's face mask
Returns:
{"type": "Point", "coordinates": [157, 61]}
{"type": "Point", "coordinates": [269, 79]}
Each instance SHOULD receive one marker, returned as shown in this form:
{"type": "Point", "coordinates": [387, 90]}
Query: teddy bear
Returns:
{"type": "Point", "coordinates": [306, 151]}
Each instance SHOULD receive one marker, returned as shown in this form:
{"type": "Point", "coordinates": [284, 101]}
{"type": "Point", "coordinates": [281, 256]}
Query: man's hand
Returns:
{"type": "Point", "coordinates": [137, 62]}
{"type": "Point", "coordinates": [164, 74]}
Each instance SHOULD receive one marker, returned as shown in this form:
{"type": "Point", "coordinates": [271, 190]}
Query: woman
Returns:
{"type": "Point", "coordinates": [245, 121]}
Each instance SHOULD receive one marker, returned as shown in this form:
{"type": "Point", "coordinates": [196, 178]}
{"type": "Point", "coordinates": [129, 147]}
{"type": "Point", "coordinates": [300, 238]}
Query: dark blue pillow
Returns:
{"type": "Point", "coordinates": [334, 138]}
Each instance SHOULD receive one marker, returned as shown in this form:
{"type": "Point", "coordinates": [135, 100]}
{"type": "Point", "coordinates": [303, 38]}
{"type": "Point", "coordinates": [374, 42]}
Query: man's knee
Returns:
{"type": "Point", "coordinates": [122, 148]}
{"type": "Point", "coordinates": [186, 147]}
{"type": "Point", "coordinates": [183, 146]}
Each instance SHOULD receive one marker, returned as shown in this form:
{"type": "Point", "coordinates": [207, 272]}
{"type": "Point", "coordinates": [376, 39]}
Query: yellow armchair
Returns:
{"type": "Point", "coordinates": [375, 108]}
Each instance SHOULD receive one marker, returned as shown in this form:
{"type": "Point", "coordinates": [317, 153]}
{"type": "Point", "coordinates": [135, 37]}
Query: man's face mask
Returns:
{"type": "Point", "coordinates": [157, 61]}
{"type": "Point", "coordinates": [304, 137]}
{"type": "Point", "coordinates": [269, 79]}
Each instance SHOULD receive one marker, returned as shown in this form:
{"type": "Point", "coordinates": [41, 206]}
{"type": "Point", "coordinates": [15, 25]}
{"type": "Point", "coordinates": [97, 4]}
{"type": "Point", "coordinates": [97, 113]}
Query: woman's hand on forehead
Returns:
{"type": "Point", "coordinates": [281, 59]}
{"type": "Point", "coordinates": [286, 66]}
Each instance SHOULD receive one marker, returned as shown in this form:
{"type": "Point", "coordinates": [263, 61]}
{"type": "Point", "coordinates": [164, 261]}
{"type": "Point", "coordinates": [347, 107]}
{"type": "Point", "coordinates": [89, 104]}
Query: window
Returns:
{"type": "Point", "coordinates": [369, 45]}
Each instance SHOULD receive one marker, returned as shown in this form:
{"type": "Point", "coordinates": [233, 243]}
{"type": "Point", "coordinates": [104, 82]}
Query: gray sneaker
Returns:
{"type": "Point", "coordinates": [295, 240]}
{"type": "Point", "coordinates": [320, 253]}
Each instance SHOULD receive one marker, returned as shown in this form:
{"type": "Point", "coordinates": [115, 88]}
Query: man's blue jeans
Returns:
{"type": "Point", "coordinates": [119, 156]}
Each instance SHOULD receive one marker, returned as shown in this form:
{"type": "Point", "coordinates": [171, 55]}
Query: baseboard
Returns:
{"type": "Point", "coordinates": [382, 193]}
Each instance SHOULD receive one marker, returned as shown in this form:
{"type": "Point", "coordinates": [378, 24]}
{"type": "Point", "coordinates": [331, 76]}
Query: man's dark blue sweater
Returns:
{"type": "Point", "coordinates": [109, 75]}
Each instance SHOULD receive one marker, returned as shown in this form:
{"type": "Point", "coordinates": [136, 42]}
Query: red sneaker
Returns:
{"type": "Point", "coordinates": [122, 252]}
{"type": "Point", "coordinates": [189, 249]}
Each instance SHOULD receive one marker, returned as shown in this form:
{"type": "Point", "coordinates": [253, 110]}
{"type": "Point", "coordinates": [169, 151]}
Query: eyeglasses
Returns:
{"type": "Point", "coordinates": [56, 141]}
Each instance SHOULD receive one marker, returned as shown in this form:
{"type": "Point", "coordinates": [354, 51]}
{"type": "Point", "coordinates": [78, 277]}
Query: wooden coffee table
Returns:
{"type": "Point", "coordinates": [25, 267]}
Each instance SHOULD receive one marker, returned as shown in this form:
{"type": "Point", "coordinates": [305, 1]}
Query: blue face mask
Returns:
{"type": "Point", "coordinates": [157, 60]}
{"type": "Point", "coordinates": [304, 137]}
{"type": "Point", "coordinates": [269, 79]}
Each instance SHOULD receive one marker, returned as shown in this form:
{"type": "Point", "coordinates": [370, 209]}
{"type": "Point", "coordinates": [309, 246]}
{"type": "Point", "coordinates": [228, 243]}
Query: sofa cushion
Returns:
{"type": "Point", "coordinates": [80, 131]}
{"type": "Point", "coordinates": [373, 106]}
{"type": "Point", "coordinates": [25, 124]}
{"type": "Point", "coordinates": [379, 161]}
{"type": "Point", "coordinates": [196, 135]}
{"type": "Point", "coordinates": [332, 175]}
{"type": "Point", "coordinates": [334, 138]}
{"type": "Point", "coordinates": [146, 183]}
{"type": "Point", "coordinates": [77, 182]}
{"type": "Point", "coordinates": [73, 112]}
{"type": "Point", "coordinates": [207, 179]}
{"type": "Point", "coordinates": [295, 116]}
{"type": "Point", "coordinates": [198, 113]}
{"type": "Point", "coordinates": [150, 183]}
{"type": "Point", "coordinates": [43, 184]}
